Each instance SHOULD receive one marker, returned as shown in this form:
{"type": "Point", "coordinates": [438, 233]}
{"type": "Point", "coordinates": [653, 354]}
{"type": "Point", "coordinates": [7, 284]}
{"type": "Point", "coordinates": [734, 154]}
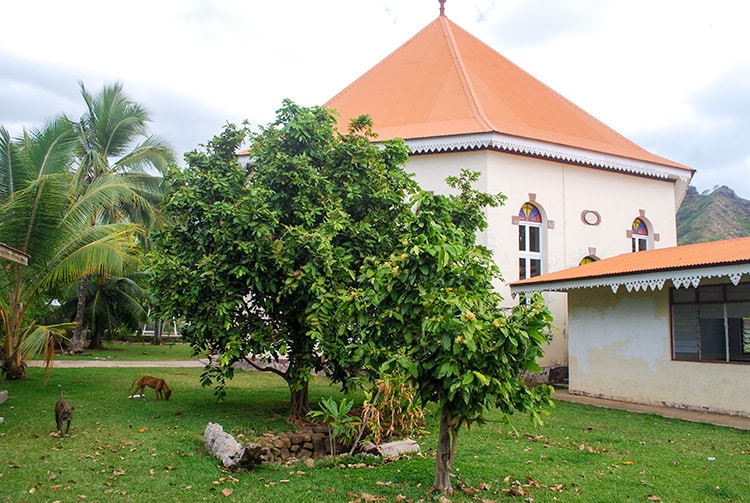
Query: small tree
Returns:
{"type": "Point", "coordinates": [431, 310]}
{"type": "Point", "coordinates": [252, 252]}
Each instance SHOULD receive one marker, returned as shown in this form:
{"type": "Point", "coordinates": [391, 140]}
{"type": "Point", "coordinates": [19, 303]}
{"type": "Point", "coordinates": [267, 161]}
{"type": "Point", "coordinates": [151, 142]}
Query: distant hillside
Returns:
{"type": "Point", "coordinates": [719, 214]}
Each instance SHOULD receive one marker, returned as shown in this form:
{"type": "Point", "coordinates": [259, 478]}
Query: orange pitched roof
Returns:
{"type": "Point", "coordinates": [445, 82]}
{"type": "Point", "coordinates": [701, 255]}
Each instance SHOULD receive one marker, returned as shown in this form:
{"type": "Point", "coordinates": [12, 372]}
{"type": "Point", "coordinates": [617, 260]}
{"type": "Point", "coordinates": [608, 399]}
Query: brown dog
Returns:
{"type": "Point", "coordinates": [160, 387]}
{"type": "Point", "coordinates": [63, 412]}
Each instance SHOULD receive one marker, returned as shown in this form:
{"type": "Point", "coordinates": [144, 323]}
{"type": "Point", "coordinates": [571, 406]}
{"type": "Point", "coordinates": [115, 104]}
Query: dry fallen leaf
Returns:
{"type": "Point", "coordinates": [651, 497]}
{"type": "Point", "coordinates": [226, 492]}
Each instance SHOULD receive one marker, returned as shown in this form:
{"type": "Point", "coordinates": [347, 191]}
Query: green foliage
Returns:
{"type": "Point", "coordinates": [253, 252]}
{"type": "Point", "coordinates": [342, 426]}
{"type": "Point", "coordinates": [113, 304]}
{"type": "Point", "coordinates": [74, 196]}
{"type": "Point", "coordinates": [431, 310]}
{"type": "Point", "coordinates": [41, 218]}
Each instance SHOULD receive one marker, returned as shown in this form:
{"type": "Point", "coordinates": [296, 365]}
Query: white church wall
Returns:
{"type": "Point", "coordinates": [562, 192]}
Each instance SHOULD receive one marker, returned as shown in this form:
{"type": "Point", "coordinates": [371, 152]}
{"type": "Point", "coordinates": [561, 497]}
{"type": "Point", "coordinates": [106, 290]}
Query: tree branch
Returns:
{"type": "Point", "coordinates": [276, 371]}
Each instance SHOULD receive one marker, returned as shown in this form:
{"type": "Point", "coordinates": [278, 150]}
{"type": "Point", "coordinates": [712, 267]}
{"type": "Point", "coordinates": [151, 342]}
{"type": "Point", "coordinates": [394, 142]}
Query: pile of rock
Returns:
{"type": "Point", "coordinates": [312, 443]}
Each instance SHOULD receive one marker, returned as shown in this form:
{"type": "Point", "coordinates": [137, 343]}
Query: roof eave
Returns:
{"type": "Point", "coordinates": [652, 280]}
{"type": "Point", "coordinates": [549, 151]}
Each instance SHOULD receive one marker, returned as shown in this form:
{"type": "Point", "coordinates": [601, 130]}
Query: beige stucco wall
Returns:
{"type": "Point", "coordinates": [620, 349]}
{"type": "Point", "coordinates": [562, 192]}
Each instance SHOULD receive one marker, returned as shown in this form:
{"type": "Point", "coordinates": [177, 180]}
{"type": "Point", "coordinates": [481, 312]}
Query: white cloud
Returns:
{"type": "Point", "coordinates": [657, 72]}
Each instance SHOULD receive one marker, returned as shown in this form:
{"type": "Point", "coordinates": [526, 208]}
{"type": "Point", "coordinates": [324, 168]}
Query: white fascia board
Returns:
{"type": "Point", "coordinates": [642, 281]}
{"type": "Point", "coordinates": [552, 151]}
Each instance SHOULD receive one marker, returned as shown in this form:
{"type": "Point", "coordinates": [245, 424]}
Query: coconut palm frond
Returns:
{"type": "Point", "coordinates": [154, 152]}
{"type": "Point", "coordinates": [40, 341]}
{"type": "Point", "coordinates": [51, 148]}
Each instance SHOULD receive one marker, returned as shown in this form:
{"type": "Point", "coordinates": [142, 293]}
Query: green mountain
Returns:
{"type": "Point", "coordinates": [710, 216]}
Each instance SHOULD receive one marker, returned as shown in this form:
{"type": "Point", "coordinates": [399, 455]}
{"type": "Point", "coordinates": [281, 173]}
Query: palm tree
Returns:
{"type": "Point", "coordinates": [39, 216]}
{"type": "Point", "coordinates": [110, 154]}
{"type": "Point", "coordinates": [112, 304]}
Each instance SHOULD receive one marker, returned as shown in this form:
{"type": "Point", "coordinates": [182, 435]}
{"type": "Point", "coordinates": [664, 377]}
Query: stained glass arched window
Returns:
{"type": "Point", "coordinates": [529, 213]}
{"type": "Point", "coordinates": [529, 241]}
{"type": "Point", "coordinates": [587, 260]}
{"type": "Point", "coordinates": [639, 235]}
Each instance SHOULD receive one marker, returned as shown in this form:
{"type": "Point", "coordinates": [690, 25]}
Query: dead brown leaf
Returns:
{"type": "Point", "coordinates": [227, 492]}
{"type": "Point", "coordinates": [532, 483]}
{"type": "Point", "coordinates": [651, 497]}
{"type": "Point", "coordinates": [371, 497]}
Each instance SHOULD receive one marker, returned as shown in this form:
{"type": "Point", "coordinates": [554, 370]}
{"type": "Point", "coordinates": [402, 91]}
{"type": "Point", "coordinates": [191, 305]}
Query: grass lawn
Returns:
{"type": "Point", "coordinates": [134, 351]}
{"type": "Point", "coordinates": [130, 450]}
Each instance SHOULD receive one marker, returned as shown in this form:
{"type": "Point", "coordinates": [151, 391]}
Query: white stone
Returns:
{"type": "Point", "coordinates": [223, 445]}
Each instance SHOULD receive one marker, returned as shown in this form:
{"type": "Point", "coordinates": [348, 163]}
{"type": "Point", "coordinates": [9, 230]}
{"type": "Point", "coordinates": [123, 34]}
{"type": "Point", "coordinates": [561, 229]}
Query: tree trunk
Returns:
{"type": "Point", "coordinates": [446, 450]}
{"type": "Point", "coordinates": [300, 399]}
{"type": "Point", "coordinates": [95, 340]}
{"type": "Point", "coordinates": [14, 367]}
{"type": "Point", "coordinates": [158, 327]}
{"type": "Point", "coordinates": [77, 340]}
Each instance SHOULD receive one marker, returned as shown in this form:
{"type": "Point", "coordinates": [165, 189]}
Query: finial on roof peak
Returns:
{"type": "Point", "coordinates": [442, 7]}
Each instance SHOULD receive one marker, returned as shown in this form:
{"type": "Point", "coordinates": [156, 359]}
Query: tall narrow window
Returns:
{"type": "Point", "coordinates": [640, 235]}
{"type": "Point", "coordinates": [529, 241]}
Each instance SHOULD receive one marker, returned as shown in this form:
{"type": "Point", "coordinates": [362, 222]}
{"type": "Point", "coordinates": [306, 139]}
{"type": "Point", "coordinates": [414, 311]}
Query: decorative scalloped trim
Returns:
{"type": "Point", "coordinates": [534, 148]}
{"type": "Point", "coordinates": [644, 281]}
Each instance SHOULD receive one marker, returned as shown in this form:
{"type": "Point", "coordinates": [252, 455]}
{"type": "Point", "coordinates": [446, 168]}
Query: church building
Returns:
{"type": "Point", "coordinates": [577, 191]}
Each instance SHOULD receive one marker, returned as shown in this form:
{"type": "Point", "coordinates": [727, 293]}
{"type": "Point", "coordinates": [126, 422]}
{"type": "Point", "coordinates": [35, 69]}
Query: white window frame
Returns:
{"type": "Point", "coordinates": [528, 256]}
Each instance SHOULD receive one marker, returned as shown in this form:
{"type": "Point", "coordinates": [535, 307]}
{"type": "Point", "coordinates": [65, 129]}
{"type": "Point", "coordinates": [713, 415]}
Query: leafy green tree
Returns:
{"type": "Point", "coordinates": [252, 252]}
{"type": "Point", "coordinates": [39, 216]}
{"type": "Point", "coordinates": [115, 149]}
{"type": "Point", "coordinates": [431, 310]}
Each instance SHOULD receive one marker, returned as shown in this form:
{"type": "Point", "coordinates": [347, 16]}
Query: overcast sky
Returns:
{"type": "Point", "coordinates": [671, 75]}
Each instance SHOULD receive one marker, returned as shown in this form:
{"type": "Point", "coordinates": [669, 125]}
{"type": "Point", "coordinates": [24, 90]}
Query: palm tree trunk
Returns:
{"type": "Point", "coordinates": [77, 340]}
{"type": "Point", "coordinates": [158, 328]}
{"type": "Point", "coordinates": [13, 367]}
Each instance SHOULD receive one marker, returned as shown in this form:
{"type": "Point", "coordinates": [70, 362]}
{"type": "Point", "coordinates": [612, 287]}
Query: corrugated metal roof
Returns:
{"type": "Point", "coordinates": [701, 255]}
{"type": "Point", "coordinates": [444, 81]}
